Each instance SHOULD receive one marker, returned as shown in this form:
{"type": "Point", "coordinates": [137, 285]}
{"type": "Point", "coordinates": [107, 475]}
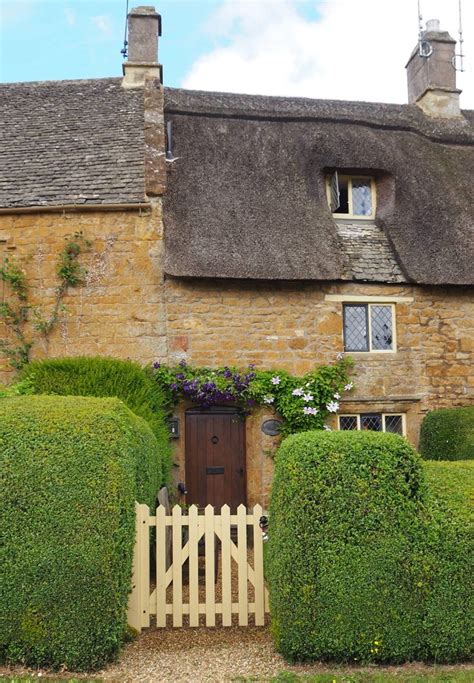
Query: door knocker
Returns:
{"type": "Point", "coordinates": [215, 439]}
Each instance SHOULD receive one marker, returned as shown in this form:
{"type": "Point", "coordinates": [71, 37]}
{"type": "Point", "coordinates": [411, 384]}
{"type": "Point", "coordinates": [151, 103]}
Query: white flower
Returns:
{"type": "Point", "coordinates": [348, 387]}
{"type": "Point", "coordinates": [340, 356]}
{"type": "Point", "coordinates": [307, 384]}
{"type": "Point", "coordinates": [297, 392]}
{"type": "Point", "coordinates": [332, 406]}
{"type": "Point", "coordinates": [328, 429]}
{"type": "Point", "coordinates": [307, 410]}
{"type": "Point", "coordinates": [308, 397]}
{"type": "Point", "coordinates": [337, 396]}
{"type": "Point", "coordinates": [276, 380]}
{"type": "Point", "coordinates": [268, 399]}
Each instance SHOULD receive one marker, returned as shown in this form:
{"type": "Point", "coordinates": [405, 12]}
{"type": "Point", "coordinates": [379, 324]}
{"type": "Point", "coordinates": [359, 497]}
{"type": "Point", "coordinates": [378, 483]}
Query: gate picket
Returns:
{"type": "Point", "coordinates": [213, 528]}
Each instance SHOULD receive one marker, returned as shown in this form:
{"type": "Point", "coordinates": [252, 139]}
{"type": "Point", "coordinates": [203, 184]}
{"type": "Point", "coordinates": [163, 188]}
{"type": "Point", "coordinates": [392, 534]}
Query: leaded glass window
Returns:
{"type": "Point", "coordinates": [368, 327]}
{"type": "Point", "coordinates": [348, 422]}
{"type": "Point", "coordinates": [374, 422]}
{"type": "Point", "coordinates": [351, 196]}
{"type": "Point", "coordinates": [393, 424]}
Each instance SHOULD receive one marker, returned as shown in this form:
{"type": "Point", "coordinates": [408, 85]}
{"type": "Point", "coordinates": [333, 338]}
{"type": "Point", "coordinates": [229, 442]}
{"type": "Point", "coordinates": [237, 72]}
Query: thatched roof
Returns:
{"type": "Point", "coordinates": [246, 198]}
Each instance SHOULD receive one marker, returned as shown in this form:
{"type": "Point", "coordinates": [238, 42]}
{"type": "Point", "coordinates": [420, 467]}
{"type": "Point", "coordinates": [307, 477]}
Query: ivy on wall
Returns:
{"type": "Point", "coordinates": [303, 402]}
{"type": "Point", "coordinates": [16, 312]}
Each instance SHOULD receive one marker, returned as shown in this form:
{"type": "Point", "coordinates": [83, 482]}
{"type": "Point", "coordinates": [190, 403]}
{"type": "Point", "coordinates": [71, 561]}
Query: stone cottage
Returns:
{"type": "Point", "coordinates": [237, 229]}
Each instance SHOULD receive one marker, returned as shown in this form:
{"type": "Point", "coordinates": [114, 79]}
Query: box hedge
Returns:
{"type": "Point", "coordinates": [362, 562]}
{"type": "Point", "coordinates": [71, 469]}
{"type": "Point", "coordinates": [102, 377]}
{"type": "Point", "coordinates": [448, 434]}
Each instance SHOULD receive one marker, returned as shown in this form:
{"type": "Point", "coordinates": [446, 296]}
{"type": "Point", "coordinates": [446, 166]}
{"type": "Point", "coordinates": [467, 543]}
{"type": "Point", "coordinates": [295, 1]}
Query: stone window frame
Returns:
{"type": "Point", "coordinates": [332, 181]}
{"type": "Point", "coordinates": [368, 305]}
{"type": "Point", "coordinates": [381, 414]}
{"type": "Point", "coordinates": [365, 300]}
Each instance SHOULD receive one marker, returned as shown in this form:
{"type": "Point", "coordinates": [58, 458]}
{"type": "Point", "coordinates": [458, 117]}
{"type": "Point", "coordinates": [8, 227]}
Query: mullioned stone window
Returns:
{"type": "Point", "coordinates": [375, 422]}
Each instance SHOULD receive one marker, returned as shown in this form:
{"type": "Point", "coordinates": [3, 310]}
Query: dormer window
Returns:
{"type": "Point", "coordinates": [351, 196]}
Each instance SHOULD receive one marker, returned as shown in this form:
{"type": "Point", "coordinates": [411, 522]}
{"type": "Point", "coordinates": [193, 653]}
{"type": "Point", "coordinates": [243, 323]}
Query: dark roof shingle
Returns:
{"type": "Point", "coordinates": [71, 142]}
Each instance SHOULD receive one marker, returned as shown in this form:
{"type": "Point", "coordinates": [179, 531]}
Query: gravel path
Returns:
{"type": "Point", "coordinates": [209, 655]}
{"type": "Point", "coordinates": [214, 655]}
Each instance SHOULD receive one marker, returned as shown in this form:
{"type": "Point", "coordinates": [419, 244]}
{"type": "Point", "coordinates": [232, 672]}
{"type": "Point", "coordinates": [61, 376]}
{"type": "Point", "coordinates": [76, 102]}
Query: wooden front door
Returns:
{"type": "Point", "coordinates": [215, 457]}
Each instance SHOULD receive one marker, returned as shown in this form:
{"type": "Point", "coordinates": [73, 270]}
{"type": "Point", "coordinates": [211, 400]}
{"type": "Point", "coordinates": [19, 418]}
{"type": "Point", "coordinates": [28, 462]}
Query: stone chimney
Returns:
{"type": "Point", "coordinates": [144, 27]}
{"type": "Point", "coordinates": [431, 73]}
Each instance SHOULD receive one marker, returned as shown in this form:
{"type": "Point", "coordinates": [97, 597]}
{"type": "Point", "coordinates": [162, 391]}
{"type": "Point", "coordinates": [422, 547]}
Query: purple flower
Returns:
{"type": "Point", "coordinates": [182, 363]}
{"type": "Point", "coordinates": [174, 386]}
{"type": "Point", "coordinates": [156, 365]}
{"type": "Point", "coordinates": [180, 375]}
{"type": "Point", "coordinates": [227, 373]}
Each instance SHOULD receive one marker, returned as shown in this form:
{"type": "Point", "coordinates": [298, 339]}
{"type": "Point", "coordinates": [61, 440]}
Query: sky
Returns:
{"type": "Point", "coordinates": [331, 49]}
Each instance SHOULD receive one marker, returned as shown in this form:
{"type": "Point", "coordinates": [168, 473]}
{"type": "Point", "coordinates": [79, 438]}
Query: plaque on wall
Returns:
{"type": "Point", "coordinates": [271, 427]}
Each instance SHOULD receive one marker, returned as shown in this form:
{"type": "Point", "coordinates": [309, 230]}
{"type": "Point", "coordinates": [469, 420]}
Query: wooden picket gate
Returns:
{"type": "Point", "coordinates": [238, 588]}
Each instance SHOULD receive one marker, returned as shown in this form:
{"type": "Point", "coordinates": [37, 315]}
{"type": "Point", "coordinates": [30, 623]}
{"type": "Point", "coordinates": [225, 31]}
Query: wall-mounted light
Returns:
{"type": "Point", "coordinates": [173, 426]}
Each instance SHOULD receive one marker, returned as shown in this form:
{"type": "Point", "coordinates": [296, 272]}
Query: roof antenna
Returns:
{"type": "Point", "coordinates": [425, 49]}
{"type": "Point", "coordinates": [459, 54]}
{"type": "Point", "coordinates": [124, 50]}
{"type": "Point", "coordinates": [169, 144]}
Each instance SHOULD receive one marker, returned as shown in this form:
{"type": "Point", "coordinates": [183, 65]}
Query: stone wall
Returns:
{"type": "Point", "coordinates": [294, 326]}
{"type": "Point", "coordinates": [119, 310]}
{"type": "Point", "coordinates": [127, 309]}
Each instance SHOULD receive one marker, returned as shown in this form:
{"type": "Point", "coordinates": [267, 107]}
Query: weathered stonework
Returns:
{"type": "Point", "coordinates": [282, 325]}
{"type": "Point", "coordinates": [127, 309]}
{"type": "Point", "coordinates": [119, 311]}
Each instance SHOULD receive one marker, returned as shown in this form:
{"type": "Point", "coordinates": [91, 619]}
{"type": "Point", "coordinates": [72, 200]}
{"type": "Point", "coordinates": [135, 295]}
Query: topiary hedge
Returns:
{"type": "Point", "coordinates": [362, 562]}
{"type": "Point", "coordinates": [71, 469]}
{"type": "Point", "coordinates": [89, 376]}
{"type": "Point", "coordinates": [448, 434]}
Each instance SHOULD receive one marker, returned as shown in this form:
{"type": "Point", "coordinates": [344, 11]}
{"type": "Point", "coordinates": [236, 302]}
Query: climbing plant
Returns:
{"type": "Point", "coordinates": [16, 311]}
{"type": "Point", "coordinates": [303, 402]}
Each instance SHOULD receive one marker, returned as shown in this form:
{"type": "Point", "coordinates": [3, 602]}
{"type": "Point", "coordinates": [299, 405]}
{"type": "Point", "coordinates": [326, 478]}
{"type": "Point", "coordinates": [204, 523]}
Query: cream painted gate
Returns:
{"type": "Point", "coordinates": [191, 584]}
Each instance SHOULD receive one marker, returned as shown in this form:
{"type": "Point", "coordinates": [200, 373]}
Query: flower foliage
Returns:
{"type": "Point", "coordinates": [303, 402]}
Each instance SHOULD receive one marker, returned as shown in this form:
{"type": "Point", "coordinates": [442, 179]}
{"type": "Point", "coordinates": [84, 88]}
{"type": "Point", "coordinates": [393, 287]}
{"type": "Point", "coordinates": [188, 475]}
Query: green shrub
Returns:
{"type": "Point", "coordinates": [448, 434]}
{"type": "Point", "coordinates": [71, 469]}
{"type": "Point", "coordinates": [360, 566]}
{"type": "Point", "coordinates": [448, 618]}
{"type": "Point", "coordinates": [128, 381]}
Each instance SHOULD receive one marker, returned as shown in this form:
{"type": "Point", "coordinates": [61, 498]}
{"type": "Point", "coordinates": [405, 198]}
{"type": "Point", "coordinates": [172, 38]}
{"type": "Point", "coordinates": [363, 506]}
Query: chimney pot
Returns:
{"type": "Point", "coordinates": [433, 25]}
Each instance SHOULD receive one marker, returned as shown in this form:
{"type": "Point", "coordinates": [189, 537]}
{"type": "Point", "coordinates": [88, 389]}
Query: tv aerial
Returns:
{"type": "Point", "coordinates": [425, 48]}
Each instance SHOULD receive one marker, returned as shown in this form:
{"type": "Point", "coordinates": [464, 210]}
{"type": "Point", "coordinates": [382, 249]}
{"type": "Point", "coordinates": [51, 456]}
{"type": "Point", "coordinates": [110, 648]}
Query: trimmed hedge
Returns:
{"type": "Point", "coordinates": [102, 377]}
{"type": "Point", "coordinates": [448, 434]}
{"type": "Point", "coordinates": [363, 564]}
{"type": "Point", "coordinates": [72, 469]}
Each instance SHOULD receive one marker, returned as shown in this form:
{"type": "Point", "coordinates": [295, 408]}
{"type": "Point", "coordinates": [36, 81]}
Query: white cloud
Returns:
{"type": "Point", "coordinates": [104, 24]}
{"type": "Point", "coordinates": [70, 16]}
{"type": "Point", "coordinates": [354, 50]}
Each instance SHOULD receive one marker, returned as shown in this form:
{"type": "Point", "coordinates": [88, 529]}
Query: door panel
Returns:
{"type": "Point", "coordinates": [215, 458]}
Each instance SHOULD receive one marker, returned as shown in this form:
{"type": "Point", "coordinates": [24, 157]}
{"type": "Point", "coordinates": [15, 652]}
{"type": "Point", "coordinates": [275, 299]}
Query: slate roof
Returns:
{"type": "Point", "coordinates": [246, 198]}
{"type": "Point", "coordinates": [71, 142]}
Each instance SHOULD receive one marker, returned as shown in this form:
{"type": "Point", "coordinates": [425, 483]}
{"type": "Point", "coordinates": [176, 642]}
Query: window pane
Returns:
{"type": "Point", "coordinates": [355, 328]}
{"type": "Point", "coordinates": [394, 424]}
{"type": "Point", "coordinates": [371, 422]}
{"type": "Point", "coordinates": [347, 422]}
{"type": "Point", "coordinates": [381, 321]}
{"type": "Point", "coordinates": [361, 197]}
{"type": "Point", "coordinates": [343, 196]}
